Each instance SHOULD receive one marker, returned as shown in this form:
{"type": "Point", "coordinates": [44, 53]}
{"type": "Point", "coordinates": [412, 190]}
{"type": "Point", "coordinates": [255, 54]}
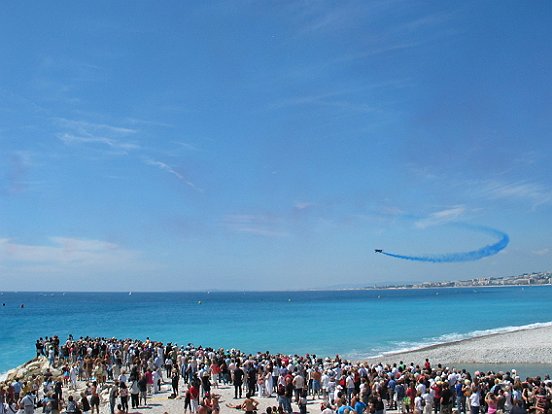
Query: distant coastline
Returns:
{"type": "Point", "coordinates": [526, 279]}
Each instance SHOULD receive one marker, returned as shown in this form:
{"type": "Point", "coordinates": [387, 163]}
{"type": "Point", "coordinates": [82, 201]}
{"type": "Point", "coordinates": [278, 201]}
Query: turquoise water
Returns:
{"type": "Point", "coordinates": [352, 323]}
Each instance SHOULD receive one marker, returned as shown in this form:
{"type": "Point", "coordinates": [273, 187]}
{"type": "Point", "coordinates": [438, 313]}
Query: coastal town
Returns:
{"type": "Point", "coordinates": [525, 279]}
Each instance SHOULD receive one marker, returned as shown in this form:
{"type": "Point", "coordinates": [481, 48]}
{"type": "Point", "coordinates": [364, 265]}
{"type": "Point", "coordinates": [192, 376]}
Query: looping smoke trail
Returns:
{"type": "Point", "coordinates": [486, 251]}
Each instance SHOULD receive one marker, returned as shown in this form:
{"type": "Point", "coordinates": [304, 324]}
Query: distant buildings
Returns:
{"type": "Point", "coordinates": [526, 279]}
{"type": "Point", "coordinates": [541, 278]}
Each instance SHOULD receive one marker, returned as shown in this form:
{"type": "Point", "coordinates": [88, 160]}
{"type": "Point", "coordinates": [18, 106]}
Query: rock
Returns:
{"type": "Point", "coordinates": [37, 367]}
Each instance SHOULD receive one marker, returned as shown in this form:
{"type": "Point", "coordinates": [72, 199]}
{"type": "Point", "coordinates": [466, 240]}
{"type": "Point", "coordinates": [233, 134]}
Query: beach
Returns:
{"type": "Point", "coordinates": [526, 346]}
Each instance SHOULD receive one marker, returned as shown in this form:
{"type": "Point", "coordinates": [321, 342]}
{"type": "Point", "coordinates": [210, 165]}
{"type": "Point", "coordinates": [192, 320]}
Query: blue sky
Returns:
{"type": "Point", "coordinates": [271, 145]}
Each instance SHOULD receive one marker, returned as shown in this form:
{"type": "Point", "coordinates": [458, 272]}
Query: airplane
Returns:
{"type": "Point", "coordinates": [378, 251]}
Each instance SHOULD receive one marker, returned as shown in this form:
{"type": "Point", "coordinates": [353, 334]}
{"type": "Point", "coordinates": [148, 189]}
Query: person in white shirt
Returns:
{"type": "Point", "coordinates": [73, 375]}
{"type": "Point", "coordinates": [324, 384]}
{"type": "Point", "coordinates": [474, 400]}
{"type": "Point", "coordinates": [28, 403]}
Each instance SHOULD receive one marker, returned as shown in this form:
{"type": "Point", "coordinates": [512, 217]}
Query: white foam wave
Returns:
{"type": "Point", "coordinates": [400, 347]}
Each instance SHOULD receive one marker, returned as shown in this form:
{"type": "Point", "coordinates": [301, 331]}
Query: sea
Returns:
{"type": "Point", "coordinates": [352, 323]}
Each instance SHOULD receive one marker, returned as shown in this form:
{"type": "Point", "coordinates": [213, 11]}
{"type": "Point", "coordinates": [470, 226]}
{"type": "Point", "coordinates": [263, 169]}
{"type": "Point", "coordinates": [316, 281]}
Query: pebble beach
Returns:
{"type": "Point", "coordinates": [524, 346]}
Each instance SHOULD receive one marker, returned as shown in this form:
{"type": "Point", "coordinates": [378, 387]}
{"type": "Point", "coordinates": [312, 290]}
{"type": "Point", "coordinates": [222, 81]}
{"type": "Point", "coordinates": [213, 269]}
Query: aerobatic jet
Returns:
{"type": "Point", "coordinates": [378, 251]}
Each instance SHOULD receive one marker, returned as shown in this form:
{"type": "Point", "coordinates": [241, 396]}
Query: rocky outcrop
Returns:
{"type": "Point", "coordinates": [35, 367]}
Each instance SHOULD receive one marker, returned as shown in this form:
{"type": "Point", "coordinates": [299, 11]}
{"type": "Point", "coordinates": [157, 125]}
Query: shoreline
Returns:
{"type": "Point", "coordinates": [526, 345]}
{"type": "Point", "coordinates": [461, 338]}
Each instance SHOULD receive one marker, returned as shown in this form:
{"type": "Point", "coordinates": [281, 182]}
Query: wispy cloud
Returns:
{"type": "Point", "coordinates": [322, 19]}
{"type": "Point", "coordinates": [85, 127]}
{"type": "Point", "coordinates": [259, 225]}
{"type": "Point", "coordinates": [185, 146]}
{"type": "Point", "coordinates": [110, 142]}
{"type": "Point", "coordinates": [79, 132]}
{"type": "Point", "coordinates": [428, 21]}
{"type": "Point", "coordinates": [340, 99]}
{"type": "Point", "coordinates": [314, 18]}
{"type": "Point", "coordinates": [546, 251]}
{"type": "Point", "coordinates": [346, 99]}
{"type": "Point", "coordinates": [62, 251]}
{"type": "Point", "coordinates": [441, 217]}
{"type": "Point", "coordinates": [303, 205]}
{"type": "Point", "coordinates": [165, 167]}
{"type": "Point", "coordinates": [532, 192]}
{"type": "Point", "coordinates": [376, 50]}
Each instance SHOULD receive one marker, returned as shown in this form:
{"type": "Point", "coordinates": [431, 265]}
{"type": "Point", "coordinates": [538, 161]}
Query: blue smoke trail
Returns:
{"type": "Point", "coordinates": [478, 254]}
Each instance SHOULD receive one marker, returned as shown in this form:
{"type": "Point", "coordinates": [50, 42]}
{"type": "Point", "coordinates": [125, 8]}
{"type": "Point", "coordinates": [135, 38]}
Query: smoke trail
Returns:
{"type": "Point", "coordinates": [486, 251]}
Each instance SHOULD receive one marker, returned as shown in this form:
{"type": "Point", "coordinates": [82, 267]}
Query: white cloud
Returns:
{"type": "Point", "coordinates": [68, 263]}
{"type": "Point", "coordinates": [543, 252]}
{"type": "Point", "coordinates": [65, 251]}
{"type": "Point", "coordinates": [186, 146]}
{"type": "Point", "coordinates": [87, 128]}
{"type": "Point", "coordinates": [78, 132]}
{"type": "Point", "coordinates": [111, 142]}
{"type": "Point", "coordinates": [441, 217]}
{"type": "Point", "coordinates": [532, 192]}
{"type": "Point", "coordinates": [259, 225]}
{"type": "Point", "coordinates": [303, 205]}
{"type": "Point", "coordinates": [165, 167]}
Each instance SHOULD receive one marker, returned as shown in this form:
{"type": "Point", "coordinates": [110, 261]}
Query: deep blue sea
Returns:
{"type": "Point", "coordinates": [355, 323]}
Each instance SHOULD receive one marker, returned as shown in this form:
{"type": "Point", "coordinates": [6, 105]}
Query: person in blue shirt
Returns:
{"type": "Point", "coordinates": [391, 391]}
{"type": "Point", "coordinates": [344, 409]}
{"type": "Point", "coordinates": [358, 405]}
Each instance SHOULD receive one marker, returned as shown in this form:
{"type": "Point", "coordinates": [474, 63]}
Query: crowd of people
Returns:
{"type": "Point", "coordinates": [124, 374]}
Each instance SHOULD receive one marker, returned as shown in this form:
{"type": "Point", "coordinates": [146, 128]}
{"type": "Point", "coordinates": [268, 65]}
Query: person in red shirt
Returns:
{"type": "Point", "coordinates": [411, 395]}
{"type": "Point", "coordinates": [194, 398]}
{"type": "Point", "coordinates": [427, 365]}
{"type": "Point", "coordinates": [149, 381]}
{"type": "Point", "coordinates": [215, 373]}
{"type": "Point", "coordinates": [436, 387]}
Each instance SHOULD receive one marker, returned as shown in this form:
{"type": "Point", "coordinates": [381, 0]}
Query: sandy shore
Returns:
{"type": "Point", "coordinates": [527, 346]}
